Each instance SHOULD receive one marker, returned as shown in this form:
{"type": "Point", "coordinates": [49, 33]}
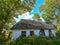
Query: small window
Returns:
{"type": "Point", "coordinates": [42, 32]}
{"type": "Point", "coordinates": [23, 33]}
{"type": "Point", "coordinates": [31, 33]}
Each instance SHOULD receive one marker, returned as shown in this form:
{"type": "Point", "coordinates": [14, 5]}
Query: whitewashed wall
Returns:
{"type": "Point", "coordinates": [46, 33]}
{"type": "Point", "coordinates": [37, 32]}
{"type": "Point", "coordinates": [17, 33]}
{"type": "Point", "coordinates": [53, 33]}
{"type": "Point", "coordinates": [27, 33]}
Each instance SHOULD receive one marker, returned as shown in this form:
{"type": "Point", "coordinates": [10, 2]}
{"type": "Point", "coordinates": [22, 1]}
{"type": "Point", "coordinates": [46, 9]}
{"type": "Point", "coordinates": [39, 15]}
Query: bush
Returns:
{"type": "Point", "coordinates": [58, 33]}
{"type": "Point", "coordinates": [5, 38]}
{"type": "Point", "coordinates": [33, 40]}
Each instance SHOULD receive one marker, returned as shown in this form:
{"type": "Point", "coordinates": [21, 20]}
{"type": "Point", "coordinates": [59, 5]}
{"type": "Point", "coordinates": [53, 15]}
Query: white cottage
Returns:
{"type": "Point", "coordinates": [31, 27]}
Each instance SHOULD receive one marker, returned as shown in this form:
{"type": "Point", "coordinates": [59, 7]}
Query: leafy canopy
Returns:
{"type": "Point", "coordinates": [8, 8]}
{"type": "Point", "coordinates": [36, 17]}
{"type": "Point", "coordinates": [50, 10]}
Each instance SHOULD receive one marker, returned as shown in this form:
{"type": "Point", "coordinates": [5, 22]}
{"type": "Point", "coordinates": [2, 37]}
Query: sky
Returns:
{"type": "Point", "coordinates": [35, 9]}
{"type": "Point", "coordinates": [30, 14]}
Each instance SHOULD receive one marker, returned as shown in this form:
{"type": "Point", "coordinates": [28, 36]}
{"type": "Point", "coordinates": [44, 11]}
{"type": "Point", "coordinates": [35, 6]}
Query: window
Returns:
{"type": "Point", "coordinates": [31, 33]}
{"type": "Point", "coordinates": [23, 33]}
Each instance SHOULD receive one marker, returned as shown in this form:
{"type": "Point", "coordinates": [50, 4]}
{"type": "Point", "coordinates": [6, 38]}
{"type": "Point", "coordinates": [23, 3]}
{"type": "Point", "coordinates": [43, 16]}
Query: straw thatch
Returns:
{"type": "Point", "coordinates": [31, 24]}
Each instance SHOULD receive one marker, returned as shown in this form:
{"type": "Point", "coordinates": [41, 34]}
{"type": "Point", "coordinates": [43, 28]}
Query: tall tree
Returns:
{"type": "Point", "coordinates": [50, 10]}
{"type": "Point", "coordinates": [9, 8]}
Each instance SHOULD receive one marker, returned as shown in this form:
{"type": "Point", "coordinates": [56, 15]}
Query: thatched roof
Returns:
{"type": "Point", "coordinates": [31, 24]}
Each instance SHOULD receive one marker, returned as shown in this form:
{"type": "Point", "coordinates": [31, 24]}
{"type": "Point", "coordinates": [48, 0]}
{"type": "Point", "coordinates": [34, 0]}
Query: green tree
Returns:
{"type": "Point", "coordinates": [36, 17]}
{"type": "Point", "coordinates": [8, 9]}
{"type": "Point", "coordinates": [50, 10]}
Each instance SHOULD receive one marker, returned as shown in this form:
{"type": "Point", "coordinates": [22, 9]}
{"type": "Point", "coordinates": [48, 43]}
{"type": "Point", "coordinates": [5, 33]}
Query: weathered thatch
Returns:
{"type": "Point", "coordinates": [31, 24]}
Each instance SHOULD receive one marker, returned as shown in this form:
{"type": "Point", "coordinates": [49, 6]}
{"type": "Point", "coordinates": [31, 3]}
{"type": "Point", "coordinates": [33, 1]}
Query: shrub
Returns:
{"type": "Point", "coordinates": [33, 40]}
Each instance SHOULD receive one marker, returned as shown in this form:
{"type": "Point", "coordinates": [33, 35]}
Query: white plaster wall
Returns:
{"type": "Point", "coordinates": [46, 33]}
{"type": "Point", "coordinates": [16, 34]}
{"type": "Point", "coordinates": [27, 33]}
{"type": "Point", "coordinates": [53, 32]}
{"type": "Point", "coordinates": [37, 32]}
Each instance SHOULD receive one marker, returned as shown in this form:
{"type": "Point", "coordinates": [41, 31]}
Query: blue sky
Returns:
{"type": "Point", "coordinates": [35, 9]}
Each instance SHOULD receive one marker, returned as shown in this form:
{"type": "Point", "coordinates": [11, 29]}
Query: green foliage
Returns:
{"type": "Point", "coordinates": [33, 40]}
{"type": "Point", "coordinates": [8, 8]}
{"type": "Point", "coordinates": [58, 33]}
{"type": "Point", "coordinates": [50, 10]}
{"type": "Point", "coordinates": [4, 37]}
{"type": "Point", "coordinates": [36, 17]}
